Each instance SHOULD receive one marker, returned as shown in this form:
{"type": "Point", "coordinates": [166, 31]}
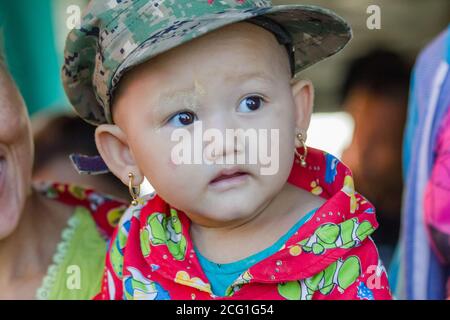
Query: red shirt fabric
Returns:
{"type": "Point", "coordinates": [331, 256]}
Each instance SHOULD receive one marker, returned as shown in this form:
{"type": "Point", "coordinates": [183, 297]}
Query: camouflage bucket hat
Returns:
{"type": "Point", "coordinates": [116, 35]}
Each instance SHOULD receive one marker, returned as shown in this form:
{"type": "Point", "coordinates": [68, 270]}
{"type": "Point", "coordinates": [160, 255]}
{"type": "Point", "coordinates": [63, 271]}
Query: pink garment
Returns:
{"type": "Point", "coordinates": [437, 195]}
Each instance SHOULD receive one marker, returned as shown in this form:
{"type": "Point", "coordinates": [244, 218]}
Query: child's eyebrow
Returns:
{"type": "Point", "coordinates": [230, 78]}
{"type": "Point", "coordinates": [170, 101]}
{"type": "Point", "coordinates": [258, 75]}
{"type": "Point", "coordinates": [177, 94]}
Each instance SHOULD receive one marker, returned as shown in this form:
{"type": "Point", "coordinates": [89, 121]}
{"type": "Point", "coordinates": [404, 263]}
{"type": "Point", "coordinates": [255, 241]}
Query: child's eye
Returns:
{"type": "Point", "coordinates": [250, 104]}
{"type": "Point", "coordinates": [183, 118]}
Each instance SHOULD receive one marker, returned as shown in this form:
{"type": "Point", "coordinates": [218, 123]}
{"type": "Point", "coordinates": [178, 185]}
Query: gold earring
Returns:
{"type": "Point", "coordinates": [302, 157]}
{"type": "Point", "coordinates": [134, 191]}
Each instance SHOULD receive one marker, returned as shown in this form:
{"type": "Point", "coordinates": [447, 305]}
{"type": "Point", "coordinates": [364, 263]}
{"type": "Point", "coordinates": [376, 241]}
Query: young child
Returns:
{"type": "Point", "coordinates": [142, 71]}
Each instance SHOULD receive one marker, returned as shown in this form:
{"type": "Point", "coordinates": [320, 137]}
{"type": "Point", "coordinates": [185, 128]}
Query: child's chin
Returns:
{"type": "Point", "coordinates": [232, 210]}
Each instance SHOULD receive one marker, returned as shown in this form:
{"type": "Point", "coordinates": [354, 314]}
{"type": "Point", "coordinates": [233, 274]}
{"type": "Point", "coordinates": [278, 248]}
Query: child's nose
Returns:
{"type": "Point", "coordinates": [227, 141]}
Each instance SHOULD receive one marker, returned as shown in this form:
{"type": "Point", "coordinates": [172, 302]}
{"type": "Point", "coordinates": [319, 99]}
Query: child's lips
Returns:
{"type": "Point", "coordinates": [226, 177]}
{"type": "Point", "coordinates": [229, 178]}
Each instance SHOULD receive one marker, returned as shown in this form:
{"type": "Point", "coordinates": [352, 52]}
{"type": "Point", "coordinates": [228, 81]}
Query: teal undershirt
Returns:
{"type": "Point", "coordinates": [221, 276]}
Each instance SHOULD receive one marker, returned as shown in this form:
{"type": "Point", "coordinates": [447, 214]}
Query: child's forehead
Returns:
{"type": "Point", "coordinates": [228, 69]}
{"type": "Point", "coordinates": [230, 59]}
{"type": "Point", "coordinates": [227, 78]}
{"type": "Point", "coordinates": [161, 83]}
{"type": "Point", "coordinates": [191, 92]}
{"type": "Point", "coordinates": [230, 45]}
{"type": "Point", "coordinates": [172, 90]}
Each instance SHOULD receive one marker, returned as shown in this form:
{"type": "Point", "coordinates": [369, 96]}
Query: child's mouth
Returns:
{"type": "Point", "coordinates": [229, 178]}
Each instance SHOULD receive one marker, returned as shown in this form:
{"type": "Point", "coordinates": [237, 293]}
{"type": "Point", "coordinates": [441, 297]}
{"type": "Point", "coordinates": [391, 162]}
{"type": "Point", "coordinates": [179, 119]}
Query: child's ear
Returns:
{"type": "Point", "coordinates": [303, 94]}
{"type": "Point", "coordinates": [113, 147]}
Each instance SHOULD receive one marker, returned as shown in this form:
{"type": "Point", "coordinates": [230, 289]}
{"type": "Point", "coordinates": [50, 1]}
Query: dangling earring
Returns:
{"type": "Point", "coordinates": [134, 191]}
{"type": "Point", "coordinates": [302, 157]}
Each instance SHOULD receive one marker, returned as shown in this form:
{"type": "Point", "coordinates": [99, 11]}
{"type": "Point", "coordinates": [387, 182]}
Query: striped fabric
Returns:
{"type": "Point", "coordinates": [420, 275]}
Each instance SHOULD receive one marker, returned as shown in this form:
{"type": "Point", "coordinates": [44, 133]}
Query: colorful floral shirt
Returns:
{"type": "Point", "coordinates": [331, 256]}
{"type": "Point", "coordinates": [77, 267]}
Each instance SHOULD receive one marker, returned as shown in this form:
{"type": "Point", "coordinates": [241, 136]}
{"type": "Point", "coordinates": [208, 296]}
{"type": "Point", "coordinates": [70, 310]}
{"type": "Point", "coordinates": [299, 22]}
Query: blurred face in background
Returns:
{"type": "Point", "coordinates": [375, 93]}
{"type": "Point", "coordinates": [375, 152]}
{"type": "Point", "coordinates": [16, 154]}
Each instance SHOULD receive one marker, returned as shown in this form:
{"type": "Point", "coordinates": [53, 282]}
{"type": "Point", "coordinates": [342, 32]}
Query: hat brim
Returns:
{"type": "Point", "coordinates": [317, 33]}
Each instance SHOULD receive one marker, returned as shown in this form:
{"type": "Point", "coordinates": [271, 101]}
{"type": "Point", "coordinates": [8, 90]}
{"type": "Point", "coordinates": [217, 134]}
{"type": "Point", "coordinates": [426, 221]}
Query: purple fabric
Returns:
{"type": "Point", "coordinates": [89, 164]}
{"type": "Point", "coordinates": [421, 275]}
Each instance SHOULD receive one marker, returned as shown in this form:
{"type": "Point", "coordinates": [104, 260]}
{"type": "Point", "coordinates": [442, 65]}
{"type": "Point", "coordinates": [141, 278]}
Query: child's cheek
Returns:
{"type": "Point", "coordinates": [172, 162]}
{"type": "Point", "coordinates": [171, 165]}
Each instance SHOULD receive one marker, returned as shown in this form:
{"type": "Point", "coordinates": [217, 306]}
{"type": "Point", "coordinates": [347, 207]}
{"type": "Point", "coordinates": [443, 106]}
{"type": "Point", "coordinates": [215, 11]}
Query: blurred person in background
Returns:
{"type": "Point", "coordinates": [423, 266]}
{"type": "Point", "coordinates": [52, 236]}
{"type": "Point", "coordinates": [375, 94]}
{"type": "Point", "coordinates": [56, 137]}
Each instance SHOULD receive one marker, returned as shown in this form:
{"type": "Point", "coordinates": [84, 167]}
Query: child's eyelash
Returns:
{"type": "Point", "coordinates": [173, 114]}
{"type": "Point", "coordinates": [261, 96]}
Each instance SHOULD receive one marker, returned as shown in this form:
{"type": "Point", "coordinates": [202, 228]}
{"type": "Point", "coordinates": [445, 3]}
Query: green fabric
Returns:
{"type": "Point", "coordinates": [80, 254]}
{"type": "Point", "coordinates": [221, 276]}
{"type": "Point", "coordinates": [32, 56]}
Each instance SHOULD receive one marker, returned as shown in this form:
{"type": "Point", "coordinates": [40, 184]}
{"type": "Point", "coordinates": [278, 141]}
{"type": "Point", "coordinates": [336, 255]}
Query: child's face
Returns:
{"type": "Point", "coordinates": [237, 77]}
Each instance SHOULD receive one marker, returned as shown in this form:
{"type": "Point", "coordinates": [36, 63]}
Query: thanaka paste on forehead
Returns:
{"type": "Point", "coordinates": [183, 99]}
